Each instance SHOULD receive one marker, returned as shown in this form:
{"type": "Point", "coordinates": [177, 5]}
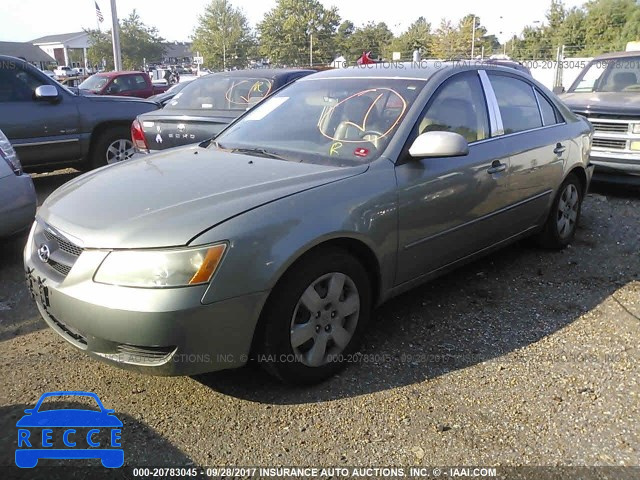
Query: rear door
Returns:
{"type": "Point", "coordinates": [41, 131]}
{"type": "Point", "coordinates": [451, 208]}
{"type": "Point", "coordinates": [537, 143]}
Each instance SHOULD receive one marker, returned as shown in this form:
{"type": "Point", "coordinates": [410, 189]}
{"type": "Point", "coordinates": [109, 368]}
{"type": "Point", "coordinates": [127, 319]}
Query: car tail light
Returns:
{"type": "Point", "coordinates": [137, 137]}
{"type": "Point", "coordinates": [9, 155]}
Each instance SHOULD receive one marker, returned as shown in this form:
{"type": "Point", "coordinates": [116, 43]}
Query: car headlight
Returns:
{"type": "Point", "coordinates": [635, 128]}
{"type": "Point", "coordinates": [160, 268]}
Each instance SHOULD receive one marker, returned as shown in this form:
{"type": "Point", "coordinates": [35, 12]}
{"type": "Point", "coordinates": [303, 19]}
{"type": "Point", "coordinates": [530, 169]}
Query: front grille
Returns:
{"type": "Point", "coordinates": [607, 127]}
{"type": "Point", "coordinates": [63, 244]}
{"type": "Point", "coordinates": [60, 268]}
{"type": "Point", "coordinates": [609, 143]}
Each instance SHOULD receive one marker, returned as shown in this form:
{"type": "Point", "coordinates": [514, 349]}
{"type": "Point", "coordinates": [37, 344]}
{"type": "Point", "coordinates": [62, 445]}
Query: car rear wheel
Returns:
{"type": "Point", "coordinates": [112, 146]}
{"type": "Point", "coordinates": [315, 317]}
{"type": "Point", "coordinates": [561, 225]}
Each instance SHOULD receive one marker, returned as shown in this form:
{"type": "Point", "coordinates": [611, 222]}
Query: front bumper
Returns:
{"type": "Point", "coordinates": [154, 331]}
{"type": "Point", "coordinates": [616, 162]}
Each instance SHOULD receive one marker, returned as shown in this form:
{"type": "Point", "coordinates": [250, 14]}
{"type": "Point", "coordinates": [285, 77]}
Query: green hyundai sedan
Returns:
{"type": "Point", "coordinates": [276, 239]}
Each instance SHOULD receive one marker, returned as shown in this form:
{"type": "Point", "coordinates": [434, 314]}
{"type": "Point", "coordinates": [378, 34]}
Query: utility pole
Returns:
{"type": "Point", "coordinates": [473, 39]}
{"type": "Point", "coordinates": [115, 37]}
{"type": "Point", "coordinates": [224, 55]}
{"type": "Point", "coordinates": [311, 51]}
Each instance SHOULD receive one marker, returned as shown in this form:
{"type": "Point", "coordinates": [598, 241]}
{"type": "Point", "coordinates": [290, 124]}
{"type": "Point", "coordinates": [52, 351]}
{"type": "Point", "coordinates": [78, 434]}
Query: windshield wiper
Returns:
{"type": "Point", "coordinates": [258, 152]}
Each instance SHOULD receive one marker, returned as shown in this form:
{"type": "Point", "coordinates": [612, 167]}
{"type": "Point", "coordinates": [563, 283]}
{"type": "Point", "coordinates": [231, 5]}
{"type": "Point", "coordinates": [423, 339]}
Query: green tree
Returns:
{"type": "Point", "coordinates": [137, 43]}
{"type": "Point", "coordinates": [223, 36]}
{"type": "Point", "coordinates": [606, 20]}
{"type": "Point", "coordinates": [289, 29]}
{"type": "Point", "coordinates": [631, 31]}
{"type": "Point", "coordinates": [417, 36]}
{"type": "Point", "coordinates": [372, 37]}
{"type": "Point", "coordinates": [445, 39]}
{"type": "Point", "coordinates": [343, 37]}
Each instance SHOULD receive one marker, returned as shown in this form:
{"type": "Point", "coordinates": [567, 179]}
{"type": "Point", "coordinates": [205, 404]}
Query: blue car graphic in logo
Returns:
{"type": "Point", "coordinates": [38, 429]}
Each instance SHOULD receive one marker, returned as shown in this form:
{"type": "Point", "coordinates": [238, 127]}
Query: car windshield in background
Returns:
{"type": "Point", "coordinates": [341, 122]}
{"type": "Point", "coordinates": [614, 75]}
{"type": "Point", "coordinates": [94, 83]}
{"type": "Point", "coordinates": [220, 92]}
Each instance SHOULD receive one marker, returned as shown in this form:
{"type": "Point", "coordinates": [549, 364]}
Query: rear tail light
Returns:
{"type": "Point", "coordinates": [8, 154]}
{"type": "Point", "coordinates": [137, 137]}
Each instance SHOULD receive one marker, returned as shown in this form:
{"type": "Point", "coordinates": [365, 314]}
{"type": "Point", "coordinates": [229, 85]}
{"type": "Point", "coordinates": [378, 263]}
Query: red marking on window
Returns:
{"type": "Point", "coordinates": [361, 152]}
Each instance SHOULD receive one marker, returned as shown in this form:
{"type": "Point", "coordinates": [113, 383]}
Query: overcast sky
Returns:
{"type": "Point", "coordinates": [24, 20]}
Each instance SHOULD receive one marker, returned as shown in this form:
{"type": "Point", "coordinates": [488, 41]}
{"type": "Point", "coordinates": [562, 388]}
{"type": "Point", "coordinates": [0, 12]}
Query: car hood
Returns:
{"type": "Point", "coordinates": [167, 199]}
{"type": "Point", "coordinates": [614, 103]}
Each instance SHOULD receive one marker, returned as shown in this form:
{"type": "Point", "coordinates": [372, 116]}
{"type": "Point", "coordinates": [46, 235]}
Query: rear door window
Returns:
{"type": "Point", "coordinates": [517, 102]}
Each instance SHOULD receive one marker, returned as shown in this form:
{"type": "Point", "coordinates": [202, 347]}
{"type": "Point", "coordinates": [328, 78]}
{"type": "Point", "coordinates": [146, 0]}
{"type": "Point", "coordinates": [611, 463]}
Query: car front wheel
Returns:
{"type": "Point", "coordinates": [315, 317]}
{"type": "Point", "coordinates": [112, 146]}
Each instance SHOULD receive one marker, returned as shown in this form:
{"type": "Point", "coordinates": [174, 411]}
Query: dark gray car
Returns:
{"type": "Point", "coordinates": [207, 105]}
{"type": "Point", "coordinates": [51, 127]}
{"type": "Point", "coordinates": [278, 238]}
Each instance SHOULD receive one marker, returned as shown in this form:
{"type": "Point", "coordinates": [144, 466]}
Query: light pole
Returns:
{"type": "Point", "coordinates": [473, 39]}
{"type": "Point", "coordinates": [115, 37]}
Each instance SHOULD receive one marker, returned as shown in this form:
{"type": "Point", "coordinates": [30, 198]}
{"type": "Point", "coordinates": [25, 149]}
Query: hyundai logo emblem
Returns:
{"type": "Point", "coordinates": [44, 253]}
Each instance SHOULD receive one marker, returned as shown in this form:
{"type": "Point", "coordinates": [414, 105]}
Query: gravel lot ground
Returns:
{"type": "Point", "coordinates": [527, 357]}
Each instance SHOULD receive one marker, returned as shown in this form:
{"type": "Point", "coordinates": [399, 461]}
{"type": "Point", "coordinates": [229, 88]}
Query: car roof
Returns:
{"type": "Point", "coordinates": [423, 70]}
{"type": "Point", "coordinates": [262, 72]}
{"type": "Point", "coordinates": [607, 56]}
{"type": "Point", "coordinates": [115, 74]}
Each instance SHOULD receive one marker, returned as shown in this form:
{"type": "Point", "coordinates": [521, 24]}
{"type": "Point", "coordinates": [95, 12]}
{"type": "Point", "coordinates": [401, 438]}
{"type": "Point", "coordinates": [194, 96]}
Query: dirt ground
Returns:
{"type": "Point", "coordinates": [527, 357]}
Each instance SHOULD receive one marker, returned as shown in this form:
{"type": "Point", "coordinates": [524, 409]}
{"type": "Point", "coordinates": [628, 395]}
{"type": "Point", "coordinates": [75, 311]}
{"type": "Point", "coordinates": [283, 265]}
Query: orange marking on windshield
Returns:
{"type": "Point", "coordinates": [362, 126]}
{"type": "Point", "coordinates": [256, 87]}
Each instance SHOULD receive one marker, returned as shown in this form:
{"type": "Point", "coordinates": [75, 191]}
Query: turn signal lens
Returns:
{"type": "Point", "coordinates": [635, 145]}
{"type": "Point", "coordinates": [209, 265]}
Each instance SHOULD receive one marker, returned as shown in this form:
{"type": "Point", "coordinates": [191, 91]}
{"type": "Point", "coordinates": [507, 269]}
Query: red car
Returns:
{"type": "Point", "coordinates": [128, 84]}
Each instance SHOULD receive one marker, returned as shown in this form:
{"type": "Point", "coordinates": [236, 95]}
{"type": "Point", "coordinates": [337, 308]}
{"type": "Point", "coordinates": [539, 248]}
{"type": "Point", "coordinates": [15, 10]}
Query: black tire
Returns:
{"type": "Point", "coordinates": [98, 154]}
{"type": "Point", "coordinates": [551, 235]}
{"type": "Point", "coordinates": [275, 350]}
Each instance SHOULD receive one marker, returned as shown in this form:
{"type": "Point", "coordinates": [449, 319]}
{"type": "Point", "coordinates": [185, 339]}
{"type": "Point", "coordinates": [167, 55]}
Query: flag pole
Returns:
{"type": "Point", "coordinates": [115, 37]}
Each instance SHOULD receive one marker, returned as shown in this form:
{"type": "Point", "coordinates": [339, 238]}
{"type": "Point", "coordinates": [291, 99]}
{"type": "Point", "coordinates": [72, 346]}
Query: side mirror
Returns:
{"type": "Point", "coordinates": [47, 92]}
{"type": "Point", "coordinates": [559, 90]}
{"type": "Point", "coordinates": [439, 144]}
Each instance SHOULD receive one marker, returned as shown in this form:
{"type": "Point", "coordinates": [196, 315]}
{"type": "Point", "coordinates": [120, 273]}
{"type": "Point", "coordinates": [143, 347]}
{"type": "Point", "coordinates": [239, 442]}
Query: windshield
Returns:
{"type": "Point", "coordinates": [94, 83]}
{"type": "Point", "coordinates": [341, 122]}
{"type": "Point", "coordinates": [614, 75]}
{"type": "Point", "coordinates": [221, 92]}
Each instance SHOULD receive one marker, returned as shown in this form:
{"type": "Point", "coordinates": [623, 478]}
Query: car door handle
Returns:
{"type": "Point", "coordinates": [559, 150]}
{"type": "Point", "coordinates": [497, 167]}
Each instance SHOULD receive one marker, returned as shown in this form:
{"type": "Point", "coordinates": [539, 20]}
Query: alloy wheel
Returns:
{"type": "Point", "coordinates": [119, 150]}
{"type": "Point", "coordinates": [325, 319]}
{"type": "Point", "coordinates": [567, 213]}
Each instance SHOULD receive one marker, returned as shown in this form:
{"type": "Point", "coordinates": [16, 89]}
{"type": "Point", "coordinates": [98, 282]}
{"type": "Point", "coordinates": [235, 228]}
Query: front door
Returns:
{"type": "Point", "coordinates": [450, 207]}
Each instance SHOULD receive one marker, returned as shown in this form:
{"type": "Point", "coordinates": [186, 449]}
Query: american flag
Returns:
{"type": "Point", "coordinates": [99, 13]}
